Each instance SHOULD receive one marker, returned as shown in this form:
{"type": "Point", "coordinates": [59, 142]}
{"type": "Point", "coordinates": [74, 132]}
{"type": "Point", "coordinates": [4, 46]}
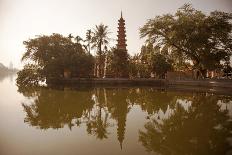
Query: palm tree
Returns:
{"type": "Point", "coordinates": [88, 39]}
{"type": "Point", "coordinates": [78, 43]}
{"type": "Point", "coordinates": [99, 40]}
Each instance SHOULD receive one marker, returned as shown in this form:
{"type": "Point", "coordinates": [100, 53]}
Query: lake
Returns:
{"type": "Point", "coordinates": [113, 121]}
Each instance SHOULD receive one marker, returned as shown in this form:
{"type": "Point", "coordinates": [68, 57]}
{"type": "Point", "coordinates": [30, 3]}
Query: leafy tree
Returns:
{"type": "Point", "coordinates": [54, 55]}
{"type": "Point", "coordinates": [203, 39]}
{"type": "Point", "coordinates": [160, 65]}
{"type": "Point", "coordinates": [178, 60]}
{"type": "Point", "coordinates": [119, 63]}
{"type": "Point", "coordinates": [145, 61]}
{"type": "Point", "coordinates": [133, 66]}
{"type": "Point", "coordinates": [153, 60]}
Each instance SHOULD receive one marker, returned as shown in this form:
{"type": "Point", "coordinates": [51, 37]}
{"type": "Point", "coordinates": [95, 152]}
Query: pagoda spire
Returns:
{"type": "Point", "coordinates": [121, 34]}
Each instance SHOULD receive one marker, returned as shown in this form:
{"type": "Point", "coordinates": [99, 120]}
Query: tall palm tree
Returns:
{"type": "Point", "coordinates": [99, 40]}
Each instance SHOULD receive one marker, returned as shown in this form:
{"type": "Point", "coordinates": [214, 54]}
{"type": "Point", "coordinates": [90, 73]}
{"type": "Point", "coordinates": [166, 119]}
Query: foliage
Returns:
{"type": "Point", "coordinates": [133, 66]}
{"type": "Point", "coordinates": [203, 39]}
{"type": "Point", "coordinates": [88, 39]}
{"type": "Point", "coordinates": [119, 63]}
{"type": "Point", "coordinates": [54, 55]}
{"type": "Point", "coordinates": [30, 75]}
{"type": "Point", "coordinates": [153, 60]}
{"type": "Point", "coordinates": [100, 39]}
{"type": "Point", "coordinates": [145, 59]}
{"type": "Point", "coordinates": [227, 69]}
{"type": "Point", "coordinates": [160, 65]}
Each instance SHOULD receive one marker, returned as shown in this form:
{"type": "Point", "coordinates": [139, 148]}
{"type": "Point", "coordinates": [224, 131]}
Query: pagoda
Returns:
{"type": "Point", "coordinates": [121, 34]}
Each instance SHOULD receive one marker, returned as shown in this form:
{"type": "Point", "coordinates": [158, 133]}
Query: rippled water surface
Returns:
{"type": "Point", "coordinates": [112, 121]}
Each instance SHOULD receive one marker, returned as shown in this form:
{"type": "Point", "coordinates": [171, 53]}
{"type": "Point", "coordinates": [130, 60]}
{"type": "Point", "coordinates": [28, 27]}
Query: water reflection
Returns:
{"type": "Point", "coordinates": [197, 126]}
{"type": "Point", "coordinates": [177, 123]}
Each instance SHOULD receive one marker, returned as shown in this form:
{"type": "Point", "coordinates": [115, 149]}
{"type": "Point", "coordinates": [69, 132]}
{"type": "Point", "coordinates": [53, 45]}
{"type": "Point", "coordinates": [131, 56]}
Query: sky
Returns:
{"type": "Point", "coordinates": [24, 19]}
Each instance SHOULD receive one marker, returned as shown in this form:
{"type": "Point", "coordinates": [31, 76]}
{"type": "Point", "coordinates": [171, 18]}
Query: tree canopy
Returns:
{"type": "Point", "coordinates": [51, 56]}
{"type": "Point", "coordinates": [203, 39]}
{"type": "Point", "coordinates": [119, 63]}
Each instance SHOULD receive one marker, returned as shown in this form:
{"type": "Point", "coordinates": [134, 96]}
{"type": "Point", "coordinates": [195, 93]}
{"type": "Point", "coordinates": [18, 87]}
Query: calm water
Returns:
{"type": "Point", "coordinates": [112, 121]}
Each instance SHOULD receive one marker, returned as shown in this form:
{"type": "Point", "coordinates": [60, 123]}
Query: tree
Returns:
{"type": "Point", "coordinates": [133, 66]}
{"type": "Point", "coordinates": [153, 59]}
{"type": "Point", "coordinates": [99, 40]}
{"type": "Point", "coordinates": [88, 39]}
{"type": "Point", "coordinates": [53, 56]}
{"type": "Point", "coordinates": [203, 39]}
{"type": "Point", "coordinates": [160, 65]}
{"type": "Point", "coordinates": [145, 59]}
{"type": "Point", "coordinates": [119, 63]}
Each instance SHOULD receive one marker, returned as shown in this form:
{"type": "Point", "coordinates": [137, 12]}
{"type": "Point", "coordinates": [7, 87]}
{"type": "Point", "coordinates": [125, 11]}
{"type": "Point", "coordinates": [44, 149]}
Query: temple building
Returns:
{"type": "Point", "coordinates": [121, 34]}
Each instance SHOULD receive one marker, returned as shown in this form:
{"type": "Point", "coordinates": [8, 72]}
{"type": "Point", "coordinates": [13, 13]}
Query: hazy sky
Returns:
{"type": "Point", "coordinates": [23, 19]}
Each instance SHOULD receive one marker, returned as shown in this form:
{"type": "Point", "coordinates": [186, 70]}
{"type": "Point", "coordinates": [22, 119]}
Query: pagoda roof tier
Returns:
{"type": "Point", "coordinates": [121, 39]}
{"type": "Point", "coordinates": [122, 45]}
{"type": "Point", "coordinates": [121, 35]}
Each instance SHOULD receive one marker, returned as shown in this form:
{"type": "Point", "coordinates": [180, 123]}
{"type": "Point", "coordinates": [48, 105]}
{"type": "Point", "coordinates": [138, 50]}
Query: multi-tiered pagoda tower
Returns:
{"type": "Point", "coordinates": [121, 34]}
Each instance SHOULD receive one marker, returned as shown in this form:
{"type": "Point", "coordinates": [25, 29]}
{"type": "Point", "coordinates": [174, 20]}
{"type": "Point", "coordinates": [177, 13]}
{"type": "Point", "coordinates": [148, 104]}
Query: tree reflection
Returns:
{"type": "Point", "coordinates": [178, 123]}
{"type": "Point", "coordinates": [55, 108]}
{"type": "Point", "coordinates": [97, 123]}
{"type": "Point", "coordinates": [199, 129]}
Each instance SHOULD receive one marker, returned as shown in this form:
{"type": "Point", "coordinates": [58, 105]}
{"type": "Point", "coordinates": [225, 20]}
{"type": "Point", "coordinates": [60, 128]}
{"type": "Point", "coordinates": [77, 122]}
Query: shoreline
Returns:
{"type": "Point", "coordinates": [205, 83]}
{"type": "Point", "coordinates": [220, 87]}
